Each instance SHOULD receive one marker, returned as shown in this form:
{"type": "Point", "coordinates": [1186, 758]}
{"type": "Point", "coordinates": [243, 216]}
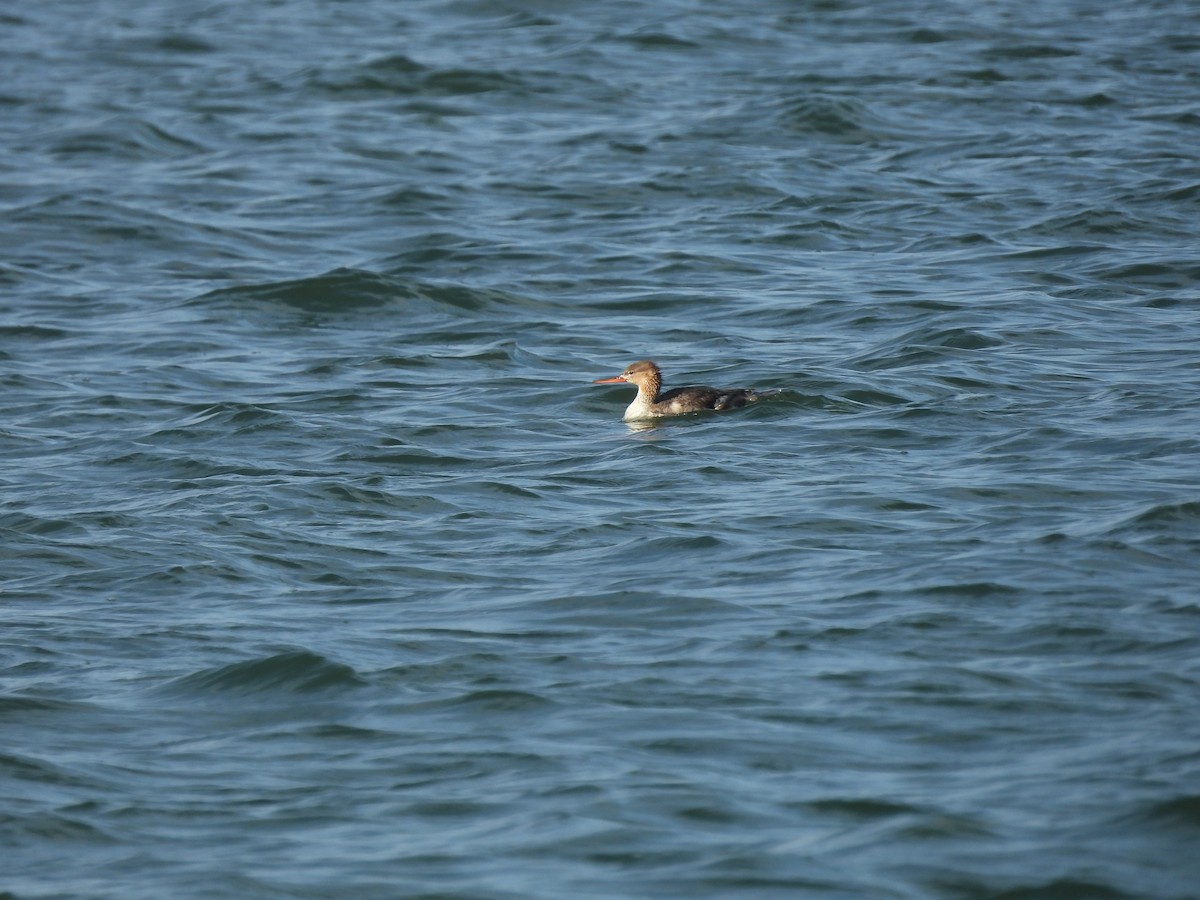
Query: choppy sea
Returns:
{"type": "Point", "coordinates": [326, 572]}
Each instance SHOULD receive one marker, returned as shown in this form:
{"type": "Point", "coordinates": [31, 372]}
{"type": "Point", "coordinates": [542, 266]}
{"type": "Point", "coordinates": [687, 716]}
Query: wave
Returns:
{"type": "Point", "coordinates": [346, 289]}
{"type": "Point", "coordinates": [293, 671]}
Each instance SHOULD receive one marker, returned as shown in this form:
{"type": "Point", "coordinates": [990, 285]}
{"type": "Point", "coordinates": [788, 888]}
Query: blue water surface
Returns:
{"type": "Point", "coordinates": [326, 572]}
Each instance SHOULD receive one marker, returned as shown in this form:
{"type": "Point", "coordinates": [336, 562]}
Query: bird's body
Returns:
{"type": "Point", "coordinates": [652, 402]}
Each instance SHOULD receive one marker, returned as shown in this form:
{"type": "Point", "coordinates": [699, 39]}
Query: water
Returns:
{"type": "Point", "coordinates": [327, 573]}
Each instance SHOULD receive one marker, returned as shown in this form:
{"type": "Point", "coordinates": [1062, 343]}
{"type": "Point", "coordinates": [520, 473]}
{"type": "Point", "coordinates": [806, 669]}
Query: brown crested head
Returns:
{"type": "Point", "coordinates": [641, 372]}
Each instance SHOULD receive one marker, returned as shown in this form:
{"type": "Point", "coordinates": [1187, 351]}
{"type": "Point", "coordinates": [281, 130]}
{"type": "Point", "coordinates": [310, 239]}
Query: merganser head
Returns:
{"type": "Point", "coordinates": [639, 373]}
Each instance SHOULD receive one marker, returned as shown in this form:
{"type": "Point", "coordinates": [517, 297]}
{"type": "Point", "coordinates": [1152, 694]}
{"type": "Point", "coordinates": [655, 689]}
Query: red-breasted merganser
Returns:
{"type": "Point", "coordinates": [650, 404]}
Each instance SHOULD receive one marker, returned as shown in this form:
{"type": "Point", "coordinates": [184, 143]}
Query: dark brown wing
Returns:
{"type": "Point", "coordinates": [735, 399]}
{"type": "Point", "coordinates": [697, 398]}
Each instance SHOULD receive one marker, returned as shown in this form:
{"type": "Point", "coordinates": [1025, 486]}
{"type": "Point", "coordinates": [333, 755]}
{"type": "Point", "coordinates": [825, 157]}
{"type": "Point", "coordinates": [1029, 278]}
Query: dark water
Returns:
{"type": "Point", "coordinates": [326, 573]}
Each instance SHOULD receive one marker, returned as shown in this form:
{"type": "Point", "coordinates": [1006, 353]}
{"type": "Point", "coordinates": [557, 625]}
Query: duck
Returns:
{"type": "Point", "coordinates": [652, 402]}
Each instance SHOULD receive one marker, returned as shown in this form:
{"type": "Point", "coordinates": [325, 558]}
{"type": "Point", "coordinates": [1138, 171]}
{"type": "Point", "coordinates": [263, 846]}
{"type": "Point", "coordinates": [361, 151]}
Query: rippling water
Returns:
{"type": "Point", "coordinates": [327, 573]}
